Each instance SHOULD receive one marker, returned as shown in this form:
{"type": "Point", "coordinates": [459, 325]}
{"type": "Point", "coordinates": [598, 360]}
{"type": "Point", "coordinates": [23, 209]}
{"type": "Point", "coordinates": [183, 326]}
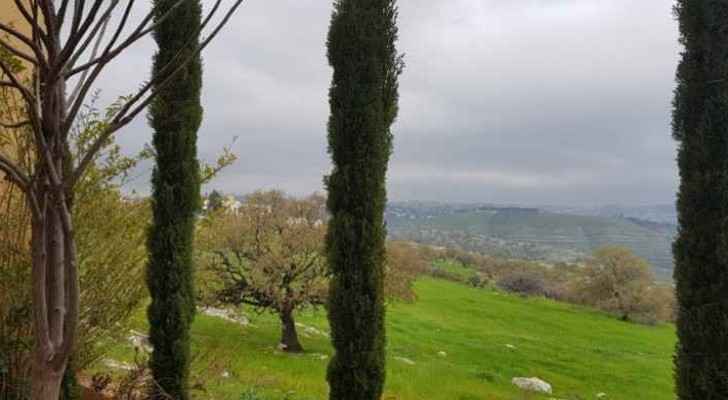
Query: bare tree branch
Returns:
{"type": "Point", "coordinates": [130, 111]}
{"type": "Point", "coordinates": [15, 125]}
{"type": "Point", "coordinates": [94, 51]}
{"type": "Point", "coordinates": [15, 83]}
{"type": "Point", "coordinates": [97, 33]}
{"type": "Point", "coordinates": [17, 53]}
{"type": "Point", "coordinates": [138, 33]}
{"type": "Point", "coordinates": [23, 39]}
{"type": "Point", "coordinates": [14, 172]}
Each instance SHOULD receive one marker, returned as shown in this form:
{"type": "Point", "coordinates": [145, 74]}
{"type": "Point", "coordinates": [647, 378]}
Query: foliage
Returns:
{"type": "Point", "coordinates": [617, 281]}
{"type": "Point", "coordinates": [524, 282]}
{"type": "Point", "coordinates": [405, 263]}
{"type": "Point", "coordinates": [110, 232]}
{"type": "Point", "coordinates": [175, 116]}
{"type": "Point", "coordinates": [270, 255]}
{"type": "Point", "coordinates": [363, 101]}
{"type": "Point", "coordinates": [214, 201]}
{"type": "Point", "coordinates": [700, 125]}
{"type": "Point", "coordinates": [613, 280]}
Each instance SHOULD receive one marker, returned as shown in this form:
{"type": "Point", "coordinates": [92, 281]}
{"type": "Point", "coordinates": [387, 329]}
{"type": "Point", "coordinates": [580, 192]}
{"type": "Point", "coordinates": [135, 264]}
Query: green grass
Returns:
{"type": "Point", "coordinates": [580, 352]}
{"type": "Point", "coordinates": [455, 268]}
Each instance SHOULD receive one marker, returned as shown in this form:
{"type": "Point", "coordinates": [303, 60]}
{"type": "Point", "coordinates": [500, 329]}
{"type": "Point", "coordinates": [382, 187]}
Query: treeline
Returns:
{"type": "Point", "coordinates": [612, 279]}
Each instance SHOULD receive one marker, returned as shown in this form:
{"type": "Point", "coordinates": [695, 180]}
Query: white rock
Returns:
{"type": "Point", "coordinates": [310, 330]}
{"type": "Point", "coordinates": [601, 395]}
{"type": "Point", "coordinates": [532, 384]}
{"type": "Point", "coordinates": [510, 346]}
{"type": "Point", "coordinates": [227, 315]}
{"type": "Point", "coordinates": [442, 354]}
{"type": "Point", "coordinates": [225, 374]}
{"type": "Point", "coordinates": [405, 360]}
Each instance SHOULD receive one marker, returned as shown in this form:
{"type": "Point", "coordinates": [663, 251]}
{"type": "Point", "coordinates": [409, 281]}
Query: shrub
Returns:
{"type": "Point", "coordinates": [524, 282]}
{"type": "Point", "coordinates": [617, 281]}
{"type": "Point", "coordinates": [405, 262]}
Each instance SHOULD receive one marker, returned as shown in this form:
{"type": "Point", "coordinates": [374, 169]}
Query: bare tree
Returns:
{"type": "Point", "coordinates": [68, 45]}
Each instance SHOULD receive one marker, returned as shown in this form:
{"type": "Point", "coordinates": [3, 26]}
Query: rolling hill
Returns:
{"type": "Point", "coordinates": [531, 233]}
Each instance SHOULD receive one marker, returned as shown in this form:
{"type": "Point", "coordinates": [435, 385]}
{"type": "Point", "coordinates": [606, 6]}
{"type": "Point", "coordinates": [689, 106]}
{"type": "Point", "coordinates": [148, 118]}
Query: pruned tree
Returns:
{"type": "Point", "coordinates": [700, 126]}
{"type": "Point", "coordinates": [270, 256]}
{"type": "Point", "coordinates": [364, 103]}
{"type": "Point", "coordinates": [68, 49]}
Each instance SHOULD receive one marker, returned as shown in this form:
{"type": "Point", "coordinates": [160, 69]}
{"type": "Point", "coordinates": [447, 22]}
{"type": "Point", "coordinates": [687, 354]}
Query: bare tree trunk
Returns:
{"type": "Point", "coordinates": [46, 383]}
{"type": "Point", "coordinates": [289, 335]}
{"type": "Point", "coordinates": [55, 282]}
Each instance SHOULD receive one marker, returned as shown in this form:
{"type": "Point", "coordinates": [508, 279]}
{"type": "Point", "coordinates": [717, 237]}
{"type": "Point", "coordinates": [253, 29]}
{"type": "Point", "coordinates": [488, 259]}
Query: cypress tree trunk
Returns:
{"type": "Point", "coordinates": [175, 116]}
{"type": "Point", "coordinates": [363, 101]}
{"type": "Point", "coordinates": [700, 124]}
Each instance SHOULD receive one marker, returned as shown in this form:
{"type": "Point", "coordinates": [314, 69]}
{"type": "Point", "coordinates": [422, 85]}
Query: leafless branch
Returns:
{"type": "Point", "coordinates": [23, 39]}
{"type": "Point", "coordinates": [14, 82]}
{"type": "Point", "coordinates": [15, 125]}
{"type": "Point", "coordinates": [94, 51]}
{"type": "Point", "coordinates": [131, 109]}
{"type": "Point", "coordinates": [17, 53]}
{"type": "Point", "coordinates": [14, 172]}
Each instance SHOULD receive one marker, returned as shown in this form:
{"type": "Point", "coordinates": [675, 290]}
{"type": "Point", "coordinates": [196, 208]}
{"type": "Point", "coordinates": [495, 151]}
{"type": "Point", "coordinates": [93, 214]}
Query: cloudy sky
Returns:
{"type": "Point", "coordinates": [522, 101]}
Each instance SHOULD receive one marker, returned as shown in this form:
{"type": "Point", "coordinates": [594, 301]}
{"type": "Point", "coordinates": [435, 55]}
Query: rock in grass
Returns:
{"type": "Point", "coordinates": [532, 384]}
{"type": "Point", "coordinates": [405, 360]}
{"type": "Point", "coordinates": [227, 315]}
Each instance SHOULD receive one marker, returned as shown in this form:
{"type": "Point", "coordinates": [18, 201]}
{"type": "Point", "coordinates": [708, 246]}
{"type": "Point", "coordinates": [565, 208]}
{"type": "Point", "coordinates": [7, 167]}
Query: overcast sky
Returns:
{"type": "Point", "coordinates": [521, 101]}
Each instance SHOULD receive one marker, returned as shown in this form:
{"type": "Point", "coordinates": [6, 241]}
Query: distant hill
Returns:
{"type": "Point", "coordinates": [531, 233]}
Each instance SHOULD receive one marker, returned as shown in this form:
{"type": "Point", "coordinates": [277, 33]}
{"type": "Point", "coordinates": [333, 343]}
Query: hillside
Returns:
{"type": "Point", "coordinates": [531, 233]}
{"type": "Point", "coordinates": [487, 338]}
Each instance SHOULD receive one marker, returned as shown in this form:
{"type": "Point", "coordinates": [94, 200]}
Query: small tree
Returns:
{"type": "Point", "coordinates": [214, 201]}
{"type": "Point", "coordinates": [270, 256]}
{"type": "Point", "coordinates": [405, 262]}
{"type": "Point", "coordinates": [61, 34]}
{"type": "Point", "coordinates": [617, 281]}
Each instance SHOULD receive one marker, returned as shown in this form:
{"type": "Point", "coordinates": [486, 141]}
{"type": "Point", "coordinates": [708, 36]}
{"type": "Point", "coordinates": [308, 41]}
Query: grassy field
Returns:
{"type": "Point", "coordinates": [487, 338]}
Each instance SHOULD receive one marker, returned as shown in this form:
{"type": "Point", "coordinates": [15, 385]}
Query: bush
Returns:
{"type": "Point", "coordinates": [405, 262]}
{"type": "Point", "coordinates": [523, 282]}
{"type": "Point", "coordinates": [617, 281]}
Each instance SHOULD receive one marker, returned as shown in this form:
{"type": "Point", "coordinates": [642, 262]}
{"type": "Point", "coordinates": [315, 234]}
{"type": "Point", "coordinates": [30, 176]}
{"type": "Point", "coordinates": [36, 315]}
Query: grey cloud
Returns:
{"type": "Point", "coordinates": [523, 101]}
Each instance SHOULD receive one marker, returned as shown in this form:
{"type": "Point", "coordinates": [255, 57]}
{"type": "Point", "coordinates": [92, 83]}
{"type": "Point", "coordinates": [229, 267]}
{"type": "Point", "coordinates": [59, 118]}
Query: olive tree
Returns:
{"type": "Point", "coordinates": [270, 255]}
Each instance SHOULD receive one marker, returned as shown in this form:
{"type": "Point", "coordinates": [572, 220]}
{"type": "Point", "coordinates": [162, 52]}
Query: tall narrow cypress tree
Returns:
{"type": "Point", "coordinates": [700, 125]}
{"type": "Point", "coordinates": [175, 116]}
{"type": "Point", "coordinates": [363, 101]}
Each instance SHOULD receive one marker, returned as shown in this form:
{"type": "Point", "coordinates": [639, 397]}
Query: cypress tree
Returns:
{"type": "Point", "coordinates": [175, 116]}
{"type": "Point", "coordinates": [700, 125]}
{"type": "Point", "coordinates": [363, 101]}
